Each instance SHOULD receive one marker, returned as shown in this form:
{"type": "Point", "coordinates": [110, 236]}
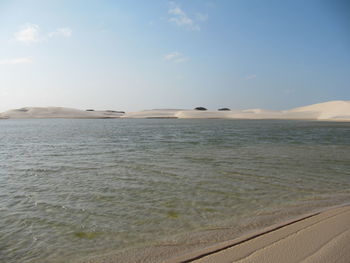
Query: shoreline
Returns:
{"type": "Point", "coordinates": [197, 247]}
{"type": "Point", "coordinates": [263, 245]}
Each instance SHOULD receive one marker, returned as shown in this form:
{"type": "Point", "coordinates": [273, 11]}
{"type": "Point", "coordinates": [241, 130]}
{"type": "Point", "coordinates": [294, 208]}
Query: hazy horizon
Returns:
{"type": "Point", "coordinates": [134, 55]}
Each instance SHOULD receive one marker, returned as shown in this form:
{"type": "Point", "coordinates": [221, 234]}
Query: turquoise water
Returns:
{"type": "Point", "coordinates": [73, 189]}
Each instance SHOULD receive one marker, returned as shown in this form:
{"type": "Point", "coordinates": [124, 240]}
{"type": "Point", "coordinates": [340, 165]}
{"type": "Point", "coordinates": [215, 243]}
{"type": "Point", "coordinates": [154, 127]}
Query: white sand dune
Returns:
{"type": "Point", "coordinates": [56, 112]}
{"type": "Point", "coordinates": [149, 114]}
{"type": "Point", "coordinates": [246, 114]}
{"type": "Point", "coordinates": [195, 114]}
{"type": "Point", "coordinates": [332, 111]}
{"type": "Point", "coordinates": [327, 111]}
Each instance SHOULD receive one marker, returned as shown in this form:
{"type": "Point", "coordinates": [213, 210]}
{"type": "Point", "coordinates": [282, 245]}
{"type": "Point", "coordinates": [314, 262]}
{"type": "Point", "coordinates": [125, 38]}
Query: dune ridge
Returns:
{"type": "Point", "coordinates": [327, 111]}
{"type": "Point", "coordinates": [57, 112]}
{"type": "Point", "coordinates": [332, 111]}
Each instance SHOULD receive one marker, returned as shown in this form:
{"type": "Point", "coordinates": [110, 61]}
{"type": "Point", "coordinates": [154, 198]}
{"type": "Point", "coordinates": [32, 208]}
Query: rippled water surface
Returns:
{"type": "Point", "coordinates": [77, 188]}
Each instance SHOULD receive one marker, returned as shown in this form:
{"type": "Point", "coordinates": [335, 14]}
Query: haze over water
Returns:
{"type": "Point", "coordinates": [77, 188]}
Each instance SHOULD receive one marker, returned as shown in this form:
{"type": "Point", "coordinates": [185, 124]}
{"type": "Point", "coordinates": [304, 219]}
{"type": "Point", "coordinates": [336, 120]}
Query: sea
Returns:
{"type": "Point", "coordinates": [142, 190]}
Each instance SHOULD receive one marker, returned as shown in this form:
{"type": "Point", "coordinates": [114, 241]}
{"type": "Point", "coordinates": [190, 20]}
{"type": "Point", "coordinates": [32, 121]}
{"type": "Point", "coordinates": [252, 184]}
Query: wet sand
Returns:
{"type": "Point", "coordinates": [318, 237]}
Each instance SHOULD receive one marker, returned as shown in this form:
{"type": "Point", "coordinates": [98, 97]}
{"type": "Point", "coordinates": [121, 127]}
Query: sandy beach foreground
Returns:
{"type": "Point", "coordinates": [318, 237]}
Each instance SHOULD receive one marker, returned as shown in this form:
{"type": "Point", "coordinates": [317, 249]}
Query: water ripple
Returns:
{"type": "Point", "coordinates": [85, 187]}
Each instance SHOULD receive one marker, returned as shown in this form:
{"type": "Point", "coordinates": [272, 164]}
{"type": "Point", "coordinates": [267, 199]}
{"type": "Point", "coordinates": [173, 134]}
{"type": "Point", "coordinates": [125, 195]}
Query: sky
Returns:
{"type": "Point", "coordinates": [135, 55]}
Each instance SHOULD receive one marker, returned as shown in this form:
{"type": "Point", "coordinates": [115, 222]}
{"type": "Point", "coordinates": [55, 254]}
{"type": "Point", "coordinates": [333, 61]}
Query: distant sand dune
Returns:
{"type": "Point", "coordinates": [334, 110]}
{"type": "Point", "coordinates": [56, 112]}
{"type": "Point", "coordinates": [151, 114]}
{"type": "Point", "coordinates": [330, 111]}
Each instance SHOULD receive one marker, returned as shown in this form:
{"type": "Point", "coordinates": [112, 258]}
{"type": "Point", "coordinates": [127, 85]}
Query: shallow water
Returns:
{"type": "Point", "coordinates": [77, 188]}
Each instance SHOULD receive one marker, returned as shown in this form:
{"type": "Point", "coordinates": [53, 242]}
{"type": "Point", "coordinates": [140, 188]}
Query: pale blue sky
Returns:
{"type": "Point", "coordinates": [133, 55]}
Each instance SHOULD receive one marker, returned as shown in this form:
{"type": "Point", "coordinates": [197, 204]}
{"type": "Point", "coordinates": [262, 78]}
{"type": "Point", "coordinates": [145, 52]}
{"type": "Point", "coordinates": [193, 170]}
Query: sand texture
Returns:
{"type": "Point", "coordinates": [322, 237]}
